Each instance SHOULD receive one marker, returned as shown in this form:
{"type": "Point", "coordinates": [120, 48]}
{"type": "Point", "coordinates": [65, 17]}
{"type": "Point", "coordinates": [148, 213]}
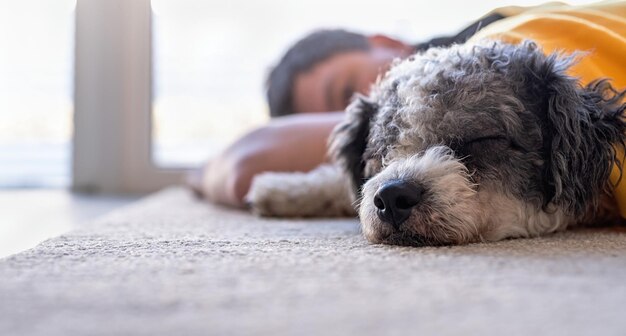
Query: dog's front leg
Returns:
{"type": "Point", "coordinates": [322, 192]}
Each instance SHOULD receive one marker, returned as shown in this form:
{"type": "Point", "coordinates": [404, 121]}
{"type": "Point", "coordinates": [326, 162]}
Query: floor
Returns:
{"type": "Point", "coordinates": [170, 265]}
{"type": "Point", "coordinates": [30, 216]}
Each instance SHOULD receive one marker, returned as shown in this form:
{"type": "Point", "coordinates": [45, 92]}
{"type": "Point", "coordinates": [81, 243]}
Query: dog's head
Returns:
{"type": "Point", "coordinates": [478, 143]}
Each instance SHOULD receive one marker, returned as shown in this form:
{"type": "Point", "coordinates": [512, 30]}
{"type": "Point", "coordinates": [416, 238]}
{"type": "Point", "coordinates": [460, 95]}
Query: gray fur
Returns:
{"type": "Point", "coordinates": [527, 137]}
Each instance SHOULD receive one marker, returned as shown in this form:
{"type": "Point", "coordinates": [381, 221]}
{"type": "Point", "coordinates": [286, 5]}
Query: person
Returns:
{"type": "Point", "coordinates": [307, 91]}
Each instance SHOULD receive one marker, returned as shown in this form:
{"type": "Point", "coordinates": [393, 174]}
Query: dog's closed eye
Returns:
{"type": "Point", "coordinates": [493, 142]}
{"type": "Point", "coordinates": [482, 142]}
{"type": "Point", "coordinates": [484, 139]}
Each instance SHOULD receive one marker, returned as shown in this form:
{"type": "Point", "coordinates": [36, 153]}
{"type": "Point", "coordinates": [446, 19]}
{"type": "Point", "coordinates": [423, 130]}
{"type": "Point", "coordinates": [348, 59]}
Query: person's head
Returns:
{"type": "Point", "coordinates": [323, 70]}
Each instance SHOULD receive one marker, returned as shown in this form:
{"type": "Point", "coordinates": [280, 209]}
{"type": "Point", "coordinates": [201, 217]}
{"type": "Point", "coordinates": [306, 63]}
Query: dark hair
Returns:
{"type": "Point", "coordinates": [302, 56]}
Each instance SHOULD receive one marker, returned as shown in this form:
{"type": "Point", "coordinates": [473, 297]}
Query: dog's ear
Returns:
{"type": "Point", "coordinates": [349, 139]}
{"type": "Point", "coordinates": [582, 127]}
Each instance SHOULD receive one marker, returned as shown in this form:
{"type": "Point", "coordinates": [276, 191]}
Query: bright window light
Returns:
{"type": "Point", "coordinates": [211, 58]}
{"type": "Point", "coordinates": [36, 62]}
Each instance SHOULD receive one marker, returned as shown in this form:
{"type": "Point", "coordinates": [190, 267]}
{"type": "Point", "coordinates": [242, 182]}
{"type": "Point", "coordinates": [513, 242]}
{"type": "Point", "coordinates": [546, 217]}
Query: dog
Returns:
{"type": "Point", "coordinates": [465, 144]}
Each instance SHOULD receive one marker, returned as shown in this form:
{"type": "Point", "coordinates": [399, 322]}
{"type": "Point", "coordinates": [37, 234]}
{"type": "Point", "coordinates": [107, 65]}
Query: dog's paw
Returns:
{"type": "Point", "coordinates": [322, 192]}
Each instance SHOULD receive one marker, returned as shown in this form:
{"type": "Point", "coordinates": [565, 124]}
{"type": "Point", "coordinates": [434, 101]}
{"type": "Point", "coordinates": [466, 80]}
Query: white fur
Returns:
{"type": "Point", "coordinates": [323, 192]}
{"type": "Point", "coordinates": [453, 214]}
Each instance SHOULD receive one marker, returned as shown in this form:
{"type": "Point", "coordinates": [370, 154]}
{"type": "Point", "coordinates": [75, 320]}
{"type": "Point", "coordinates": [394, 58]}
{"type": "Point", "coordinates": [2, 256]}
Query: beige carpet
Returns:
{"type": "Point", "coordinates": [172, 266]}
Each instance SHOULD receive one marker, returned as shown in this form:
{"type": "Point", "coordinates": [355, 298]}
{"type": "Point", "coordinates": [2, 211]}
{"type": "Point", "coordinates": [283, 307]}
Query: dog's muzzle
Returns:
{"type": "Point", "coordinates": [395, 201]}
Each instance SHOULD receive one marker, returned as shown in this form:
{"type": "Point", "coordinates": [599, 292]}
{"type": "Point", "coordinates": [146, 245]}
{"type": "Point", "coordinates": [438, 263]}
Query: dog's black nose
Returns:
{"type": "Point", "coordinates": [395, 200]}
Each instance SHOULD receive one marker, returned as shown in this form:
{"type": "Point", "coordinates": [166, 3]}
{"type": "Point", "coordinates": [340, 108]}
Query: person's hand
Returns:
{"type": "Point", "coordinates": [292, 143]}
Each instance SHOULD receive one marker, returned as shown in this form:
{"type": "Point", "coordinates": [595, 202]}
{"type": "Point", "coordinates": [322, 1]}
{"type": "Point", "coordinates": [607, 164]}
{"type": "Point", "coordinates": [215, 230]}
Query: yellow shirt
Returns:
{"type": "Point", "coordinates": [599, 29]}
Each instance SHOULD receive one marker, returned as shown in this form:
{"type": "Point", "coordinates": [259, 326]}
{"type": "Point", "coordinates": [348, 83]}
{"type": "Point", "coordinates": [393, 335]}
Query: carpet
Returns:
{"type": "Point", "coordinates": [170, 265]}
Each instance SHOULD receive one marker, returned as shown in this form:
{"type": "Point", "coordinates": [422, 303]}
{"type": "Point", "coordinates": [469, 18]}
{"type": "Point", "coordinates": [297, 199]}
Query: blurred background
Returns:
{"type": "Point", "coordinates": [134, 131]}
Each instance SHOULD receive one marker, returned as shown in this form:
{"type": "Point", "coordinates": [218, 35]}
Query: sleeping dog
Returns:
{"type": "Point", "coordinates": [471, 143]}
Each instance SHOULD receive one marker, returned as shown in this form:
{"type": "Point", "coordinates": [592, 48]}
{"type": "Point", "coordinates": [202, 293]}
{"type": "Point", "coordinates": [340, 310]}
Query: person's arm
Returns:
{"type": "Point", "coordinates": [292, 143]}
